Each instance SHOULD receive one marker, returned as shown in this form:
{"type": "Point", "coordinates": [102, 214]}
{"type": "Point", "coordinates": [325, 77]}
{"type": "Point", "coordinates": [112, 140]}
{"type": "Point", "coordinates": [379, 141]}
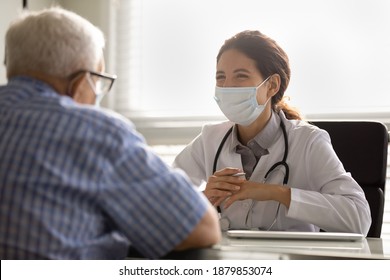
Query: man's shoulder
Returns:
{"type": "Point", "coordinates": [101, 119]}
{"type": "Point", "coordinates": [101, 114]}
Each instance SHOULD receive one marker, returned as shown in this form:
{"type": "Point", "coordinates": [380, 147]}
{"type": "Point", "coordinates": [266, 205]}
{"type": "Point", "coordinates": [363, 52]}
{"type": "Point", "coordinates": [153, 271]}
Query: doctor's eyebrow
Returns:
{"type": "Point", "coordinates": [242, 70]}
{"type": "Point", "coordinates": [235, 71]}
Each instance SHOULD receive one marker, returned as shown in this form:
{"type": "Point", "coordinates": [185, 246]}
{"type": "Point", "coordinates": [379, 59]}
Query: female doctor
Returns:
{"type": "Point", "coordinates": [293, 179]}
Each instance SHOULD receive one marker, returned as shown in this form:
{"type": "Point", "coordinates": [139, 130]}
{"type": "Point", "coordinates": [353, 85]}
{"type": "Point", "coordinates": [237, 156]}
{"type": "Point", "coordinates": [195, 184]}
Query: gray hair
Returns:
{"type": "Point", "coordinates": [53, 41]}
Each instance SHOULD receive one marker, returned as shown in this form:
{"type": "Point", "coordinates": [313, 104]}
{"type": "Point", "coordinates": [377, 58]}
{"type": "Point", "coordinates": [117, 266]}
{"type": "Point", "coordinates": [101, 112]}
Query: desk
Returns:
{"type": "Point", "coordinates": [250, 249]}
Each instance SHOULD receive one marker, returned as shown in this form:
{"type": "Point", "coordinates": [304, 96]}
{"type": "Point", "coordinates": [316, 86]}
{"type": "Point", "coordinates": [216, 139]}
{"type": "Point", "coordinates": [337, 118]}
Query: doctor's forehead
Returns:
{"type": "Point", "coordinates": [233, 60]}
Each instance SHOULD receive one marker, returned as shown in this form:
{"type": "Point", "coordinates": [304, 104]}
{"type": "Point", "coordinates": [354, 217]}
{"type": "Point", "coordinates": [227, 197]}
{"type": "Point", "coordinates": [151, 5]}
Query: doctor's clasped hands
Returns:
{"type": "Point", "coordinates": [223, 189]}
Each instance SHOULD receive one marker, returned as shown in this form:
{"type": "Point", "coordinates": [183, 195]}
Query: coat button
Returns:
{"type": "Point", "coordinates": [246, 205]}
{"type": "Point", "coordinates": [224, 224]}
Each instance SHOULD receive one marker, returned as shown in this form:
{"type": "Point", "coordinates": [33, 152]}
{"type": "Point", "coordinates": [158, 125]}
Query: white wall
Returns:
{"type": "Point", "coordinates": [97, 12]}
{"type": "Point", "coordinates": [40, 4]}
{"type": "Point", "coordinates": [8, 11]}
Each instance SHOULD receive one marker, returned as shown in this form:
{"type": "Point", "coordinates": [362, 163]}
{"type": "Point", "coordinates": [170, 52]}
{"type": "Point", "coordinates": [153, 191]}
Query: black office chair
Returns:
{"type": "Point", "coordinates": [362, 148]}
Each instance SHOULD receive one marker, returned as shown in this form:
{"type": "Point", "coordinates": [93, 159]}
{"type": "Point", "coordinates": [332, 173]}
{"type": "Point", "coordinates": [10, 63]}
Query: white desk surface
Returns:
{"type": "Point", "coordinates": [277, 249]}
{"type": "Point", "coordinates": [239, 248]}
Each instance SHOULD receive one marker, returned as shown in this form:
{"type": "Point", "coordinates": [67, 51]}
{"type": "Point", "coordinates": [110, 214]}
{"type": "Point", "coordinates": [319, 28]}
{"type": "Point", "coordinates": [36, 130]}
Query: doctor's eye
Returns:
{"type": "Point", "coordinates": [220, 78]}
{"type": "Point", "coordinates": [242, 76]}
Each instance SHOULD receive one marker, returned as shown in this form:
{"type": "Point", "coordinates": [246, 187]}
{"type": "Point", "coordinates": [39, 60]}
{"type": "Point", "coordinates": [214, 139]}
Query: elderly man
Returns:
{"type": "Point", "coordinates": [77, 182]}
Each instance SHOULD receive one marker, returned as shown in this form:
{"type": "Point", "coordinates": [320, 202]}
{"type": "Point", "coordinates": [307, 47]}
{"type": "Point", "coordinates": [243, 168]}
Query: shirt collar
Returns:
{"type": "Point", "coordinates": [265, 138]}
{"type": "Point", "coordinates": [28, 83]}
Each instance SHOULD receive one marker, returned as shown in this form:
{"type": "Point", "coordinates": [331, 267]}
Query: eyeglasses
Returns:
{"type": "Point", "coordinates": [103, 82]}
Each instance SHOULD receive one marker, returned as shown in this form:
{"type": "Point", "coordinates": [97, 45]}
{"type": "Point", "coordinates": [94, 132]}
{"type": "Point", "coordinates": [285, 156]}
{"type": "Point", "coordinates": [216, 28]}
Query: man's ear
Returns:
{"type": "Point", "coordinates": [273, 85]}
{"type": "Point", "coordinates": [83, 90]}
{"type": "Point", "coordinates": [74, 85]}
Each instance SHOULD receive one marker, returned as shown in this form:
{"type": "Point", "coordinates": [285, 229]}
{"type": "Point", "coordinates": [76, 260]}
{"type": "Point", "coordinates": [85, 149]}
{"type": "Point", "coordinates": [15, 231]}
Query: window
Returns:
{"type": "Point", "coordinates": [338, 50]}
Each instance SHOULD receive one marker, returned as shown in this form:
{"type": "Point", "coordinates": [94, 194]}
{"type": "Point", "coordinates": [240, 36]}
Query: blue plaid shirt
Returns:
{"type": "Point", "coordinates": [80, 183]}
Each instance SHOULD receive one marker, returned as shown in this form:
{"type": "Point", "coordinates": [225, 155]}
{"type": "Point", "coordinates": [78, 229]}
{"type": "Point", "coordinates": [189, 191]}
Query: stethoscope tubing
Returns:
{"type": "Point", "coordinates": [282, 162]}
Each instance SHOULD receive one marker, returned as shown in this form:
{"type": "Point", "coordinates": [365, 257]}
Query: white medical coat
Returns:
{"type": "Point", "coordinates": [323, 195]}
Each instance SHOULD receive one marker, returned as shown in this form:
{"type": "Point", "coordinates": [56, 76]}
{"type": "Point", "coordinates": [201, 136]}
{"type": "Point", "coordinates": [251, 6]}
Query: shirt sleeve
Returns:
{"type": "Point", "coordinates": [335, 202]}
{"type": "Point", "coordinates": [153, 205]}
{"type": "Point", "coordinates": [192, 161]}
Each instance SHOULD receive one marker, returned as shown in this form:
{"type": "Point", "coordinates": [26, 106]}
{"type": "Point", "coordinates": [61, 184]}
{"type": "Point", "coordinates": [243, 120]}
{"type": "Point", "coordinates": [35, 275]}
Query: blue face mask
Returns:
{"type": "Point", "coordinates": [239, 104]}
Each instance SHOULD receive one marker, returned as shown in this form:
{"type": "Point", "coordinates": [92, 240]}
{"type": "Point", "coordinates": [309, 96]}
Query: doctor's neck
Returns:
{"type": "Point", "coordinates": [247, 133]}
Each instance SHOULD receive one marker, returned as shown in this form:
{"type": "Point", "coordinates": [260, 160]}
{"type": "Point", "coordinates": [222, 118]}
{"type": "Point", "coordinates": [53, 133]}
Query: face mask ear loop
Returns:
{"type": "Point", "coordinates": [98, 96]}
{"type": "Point", "coordinates": [262, 83]}
{"type": "Point", "coordinates": [90, 82]}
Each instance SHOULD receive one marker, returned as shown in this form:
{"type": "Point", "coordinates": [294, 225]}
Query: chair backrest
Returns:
{"type": "Point", "coordinates": [362, 148]}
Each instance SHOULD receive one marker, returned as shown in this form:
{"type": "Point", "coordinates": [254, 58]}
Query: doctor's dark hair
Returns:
{"type": "Point", "coordinates": [270, 59]}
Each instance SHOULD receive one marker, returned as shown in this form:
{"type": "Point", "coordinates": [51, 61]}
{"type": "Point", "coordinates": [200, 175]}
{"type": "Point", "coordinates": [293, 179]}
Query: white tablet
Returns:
{"type": "Point", "coordinates": [295, 235]}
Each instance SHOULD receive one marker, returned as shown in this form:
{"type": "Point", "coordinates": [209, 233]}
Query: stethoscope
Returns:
{"type": "Point", "coordinates": [225, 223]}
